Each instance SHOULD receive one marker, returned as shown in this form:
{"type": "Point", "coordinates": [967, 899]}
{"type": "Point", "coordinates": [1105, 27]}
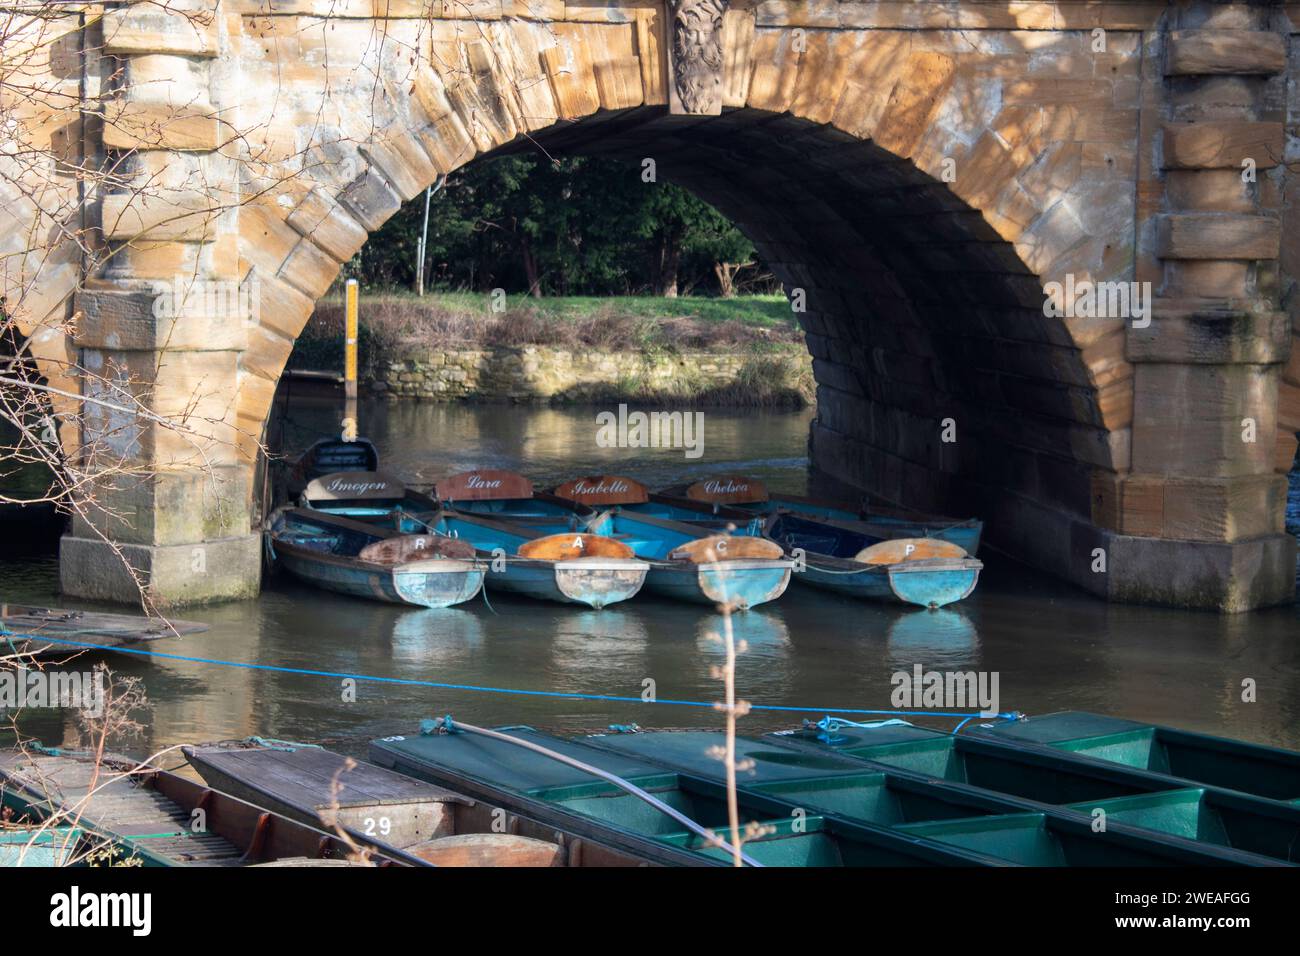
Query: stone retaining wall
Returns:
{"type": "Point", "coordinates": [544, 374]}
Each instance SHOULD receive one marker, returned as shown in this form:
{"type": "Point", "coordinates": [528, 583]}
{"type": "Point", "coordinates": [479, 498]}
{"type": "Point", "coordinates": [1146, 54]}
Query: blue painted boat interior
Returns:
{"type": "Point", "coordinates": [792, 532]}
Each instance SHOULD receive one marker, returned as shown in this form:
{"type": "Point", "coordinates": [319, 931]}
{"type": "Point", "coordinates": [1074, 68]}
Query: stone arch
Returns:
{"type": "Point", "coordinates": [285, 131]}
{"type": "Point", "coordinates": [924, 297]}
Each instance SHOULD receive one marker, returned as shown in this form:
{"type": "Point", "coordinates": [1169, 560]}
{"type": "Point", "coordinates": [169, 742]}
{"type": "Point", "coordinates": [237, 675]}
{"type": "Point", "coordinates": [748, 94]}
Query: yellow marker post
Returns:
{"type": "Point", "coordinates": [350, 361]}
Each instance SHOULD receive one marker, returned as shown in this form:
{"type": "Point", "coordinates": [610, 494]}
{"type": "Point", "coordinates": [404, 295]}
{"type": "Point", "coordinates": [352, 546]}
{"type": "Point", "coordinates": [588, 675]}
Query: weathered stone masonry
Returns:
{"type": "Point", "coordinates": [915, 171]}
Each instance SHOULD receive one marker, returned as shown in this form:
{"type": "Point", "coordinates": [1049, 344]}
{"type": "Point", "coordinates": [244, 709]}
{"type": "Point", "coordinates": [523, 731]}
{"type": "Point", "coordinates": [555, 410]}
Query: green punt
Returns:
{"type": "Point", "coordinates": [534, 785]}
{"type": "Point", "coordinates": [1268, 772]}
{"type": "Point", "coordinates": [1016, 829]}
{"type": "Point", "coordinates": [1212, 816]}
{"type": "Point", "coordinates": [32, 846]}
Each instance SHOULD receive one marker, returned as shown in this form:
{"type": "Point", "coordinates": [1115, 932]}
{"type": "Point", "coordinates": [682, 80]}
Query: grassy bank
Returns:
{"type": "Point", "coordinates": [761, 327]}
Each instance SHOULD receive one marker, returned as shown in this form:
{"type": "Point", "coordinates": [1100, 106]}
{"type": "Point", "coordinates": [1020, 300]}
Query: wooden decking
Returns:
{"type": "Point", "coordinates": [22, 626]}
{"type": "Point", "coordinates": [312, 779]}
{"type": "Point", "coordinates": [150, 824]}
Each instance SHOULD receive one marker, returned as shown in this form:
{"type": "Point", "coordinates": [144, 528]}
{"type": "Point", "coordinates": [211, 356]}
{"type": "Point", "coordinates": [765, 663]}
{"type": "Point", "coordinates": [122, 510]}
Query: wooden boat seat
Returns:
{"type": "Point", "coordinates": [415, 547]}
{"type": "Point", "coordinates": [489, 849]}
{"type": "Point", "coordinates": [722, 547]}
{"type": "Point", "coordinates": [567, 547]}
{"type": "Point", "coordinates": [898, 550]}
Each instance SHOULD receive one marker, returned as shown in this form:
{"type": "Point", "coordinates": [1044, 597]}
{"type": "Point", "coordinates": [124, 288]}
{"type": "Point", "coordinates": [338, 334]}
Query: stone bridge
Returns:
{"type": "Point", "coordinates": [938, 185]}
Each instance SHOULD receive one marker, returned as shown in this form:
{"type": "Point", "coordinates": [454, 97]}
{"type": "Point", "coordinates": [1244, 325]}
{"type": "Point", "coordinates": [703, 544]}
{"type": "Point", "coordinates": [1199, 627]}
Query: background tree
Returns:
{"type": "Point", "coordinates": [573, 226]}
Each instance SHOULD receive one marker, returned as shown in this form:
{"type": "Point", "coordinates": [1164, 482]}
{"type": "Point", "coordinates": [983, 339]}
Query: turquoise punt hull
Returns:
{"type": "Point", "coordinates": [965, 534]}
{"type": "Point", "coordinates": [324, 553]}
{"type": "Point", "coordinates": [741, 583]}
{"type": "Point", "coordinates": [545, 790]}
{"type": "Point", "coordinates": [447, 583]}
{"type": "Point", "coordinates": [594, 582]}
{"type": "Point", "coordinates": [828, 565]}
{"type": "Point", "coordinates": [883, 524]}
{"type": "Point", "coordinates": [1262, 771]}
{"type": "Point", "coordinates": [1015, 828]}
{"type": "Point", "coordinates": [940, 584]}
{"type": "Point", "coordinates": [1222, 821]}
{"type": "Point", "coordinates": [408, 518]}
{"type": "Point", "coordinates": [53, 846]}
{"type": "Point", "coordinates": [515, 508]}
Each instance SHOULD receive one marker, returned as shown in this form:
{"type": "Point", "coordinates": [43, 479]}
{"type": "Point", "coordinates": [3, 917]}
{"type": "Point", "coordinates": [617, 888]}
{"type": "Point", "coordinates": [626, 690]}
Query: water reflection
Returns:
{"type": "Point", "coordinates": [437, 637]}
{"type": "Point", "coordinates": [942, 639]}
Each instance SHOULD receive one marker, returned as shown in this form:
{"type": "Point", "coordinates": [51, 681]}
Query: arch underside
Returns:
{"type": "Point", "coordinates": [922, 321]}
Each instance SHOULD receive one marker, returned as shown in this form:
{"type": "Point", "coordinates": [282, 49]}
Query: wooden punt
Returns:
{"type": "Point", "coordinates": [158, 818]}
{"type": "Point", "coordinates": [327, 790]}
{"type": "Point", "coordinates": [1269, 772]}
{"type": "Point", "coordinates": [372, 497]}
{"type": "Point", "coordinates": [31, 632]}
{"type": "Point", "coordinates": [1170, 807]}
{"type": "Point", "coordinates": [555, 794]}
{"type": "Point", "coordinates": [572, 567]}
{"type": "Point", "coordinates": [742, 493]}
{"type": "Point", "coordinates": [362, 560]}
{"type": "Point", "coordinates": [1008, 826]}
{"type": "Point", "coordinates": [927, 572]}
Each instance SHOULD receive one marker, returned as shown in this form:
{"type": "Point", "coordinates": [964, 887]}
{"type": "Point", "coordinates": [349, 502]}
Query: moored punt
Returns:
{"type": "Point", "coordinates": [926, 572]}
{"type": "Point", "coordinates": [147, 816]}
{"type": "Point", "coordinates": [572, 567]}
{"type": "Point", "coordinates": [751, 495]}
{"type": "Point", "coordinates": [692, 563]}
{"type": "Point", "coordinates": [362, 560]}
{"type": "Point", "coordinates": [560, 795]}
{"type": "Point", "coordinates": [600, 492]}
{"type": "Point", "coordinates": [389, 810]}
{"type": "Point", "coordinates": [372, 497]}
{"type": "Point", "coordinates": [330, 455]}
{"type": "Point", "coordinates": [1263, 771]}
{"type": "Point", "coordinates": [38, 845]}
{"type": "Point", "coordinates": [1212, 817]}
{"type": "Point", "coordinates": [497, 493]}
{"type": "Point", "coordinates": [49, 632]}
{"type": "Point", "coordinates": [1000, 824]}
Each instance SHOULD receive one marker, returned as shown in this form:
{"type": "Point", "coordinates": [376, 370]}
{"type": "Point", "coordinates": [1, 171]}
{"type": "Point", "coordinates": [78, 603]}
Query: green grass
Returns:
{"type": "Point", "coordinates": [767, 311]}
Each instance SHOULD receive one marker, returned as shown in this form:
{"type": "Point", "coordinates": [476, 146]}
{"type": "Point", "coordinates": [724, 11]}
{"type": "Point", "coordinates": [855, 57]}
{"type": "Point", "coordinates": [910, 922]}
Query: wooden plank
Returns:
{"type": "Point", "coordinates": [28, 623]}
{"type": "Point", "coordinates": [728, 490]}
{"type": "Point", "coordinates": [604, 490]}
{"type": "Point", "coordinates": [483, 484]}
{"type": "Point", "coordinates": [354, 486]}
{"type": "Point", "coordinates": [312, 771]}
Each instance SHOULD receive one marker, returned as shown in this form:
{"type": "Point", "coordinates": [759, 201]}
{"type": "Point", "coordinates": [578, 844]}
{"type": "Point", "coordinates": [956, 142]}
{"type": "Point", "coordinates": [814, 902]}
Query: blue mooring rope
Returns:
{"type": "Point", "coordinates": [486, 689]}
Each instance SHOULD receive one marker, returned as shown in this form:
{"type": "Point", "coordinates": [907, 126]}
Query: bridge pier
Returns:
{"type": "Point", "coordinates": [169, 512]}
{"type": "Point", "coordinates": [1200, 515]}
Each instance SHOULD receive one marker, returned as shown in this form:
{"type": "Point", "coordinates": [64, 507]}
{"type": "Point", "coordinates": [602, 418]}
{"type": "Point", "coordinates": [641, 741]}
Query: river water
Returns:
{"type": "Point", "coordinates": [1053, 647]}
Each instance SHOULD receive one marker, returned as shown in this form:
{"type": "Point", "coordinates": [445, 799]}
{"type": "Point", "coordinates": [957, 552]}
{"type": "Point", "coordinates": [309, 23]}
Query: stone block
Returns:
{"type": "Point", "coordinates": [1202, 52]}
{"type": "Point", "coordinates": [1218, 237]}
{"type": "Point", "coordinates": [1223, 144]}
{"type": "Point", "coordinates": [224, 569]}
